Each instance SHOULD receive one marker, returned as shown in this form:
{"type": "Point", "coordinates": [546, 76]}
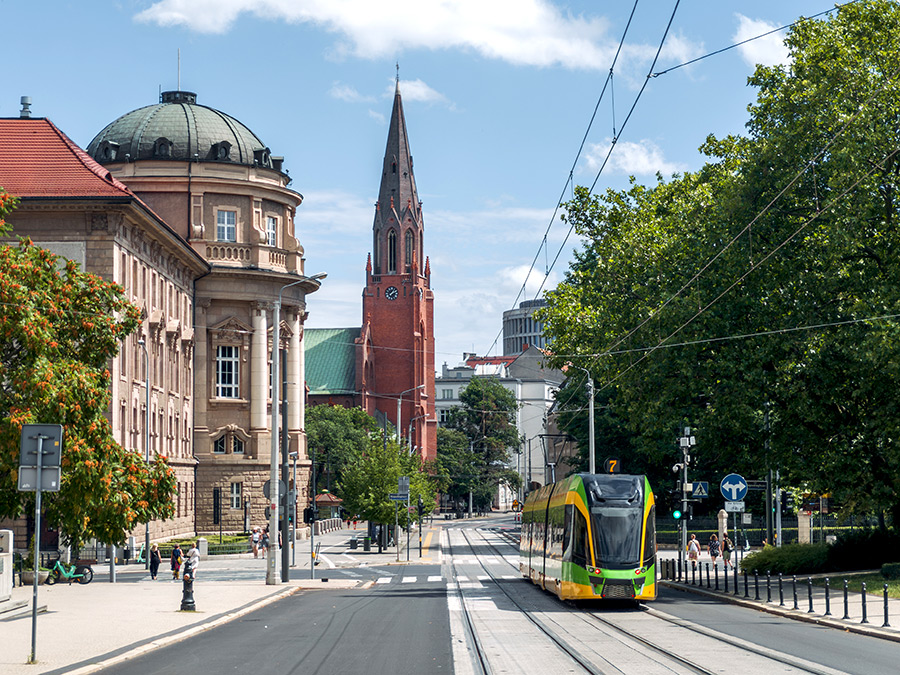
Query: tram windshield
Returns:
{"type": "Point", "coordinates": [617, 518]}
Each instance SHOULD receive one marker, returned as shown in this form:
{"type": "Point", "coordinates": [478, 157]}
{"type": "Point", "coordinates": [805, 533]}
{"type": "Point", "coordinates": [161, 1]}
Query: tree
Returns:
{"type": "Point", "coordinates": [337, 435]}
{"type": "Point", "coordinates": [59, 328]}
{"type": "Point", "coordinates": [692, 301]}
{"type": "Point", "coordinates": [371, 476]}
{"type": "Point", "coordinates": [487, 421]}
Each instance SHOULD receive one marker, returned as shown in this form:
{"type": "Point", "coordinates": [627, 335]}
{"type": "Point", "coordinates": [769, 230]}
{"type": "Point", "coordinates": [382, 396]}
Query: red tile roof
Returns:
{"type": "Point", "coordinates": [39, 160]}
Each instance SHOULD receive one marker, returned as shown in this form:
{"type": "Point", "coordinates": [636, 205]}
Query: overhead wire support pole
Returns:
{"type": "Point", "coordinates": [146, 441]}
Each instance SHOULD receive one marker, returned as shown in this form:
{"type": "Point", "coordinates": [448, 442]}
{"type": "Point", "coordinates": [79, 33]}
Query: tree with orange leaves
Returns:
{"type": "Point", "coordinates": [59, 329]}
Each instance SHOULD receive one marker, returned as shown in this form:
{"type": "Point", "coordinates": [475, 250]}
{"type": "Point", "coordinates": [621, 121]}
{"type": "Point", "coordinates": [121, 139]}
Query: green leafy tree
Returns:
{"type": "Point", "coordinates": [691, 301]}
{"type": "Point", "coordinates": [59, 328]}
{"type": "Point", "coordinates": [337, 435]}
{"type": "Point", "coordinates": [369, 478]}
{"type": "Point", "coordinates": [486, 419]}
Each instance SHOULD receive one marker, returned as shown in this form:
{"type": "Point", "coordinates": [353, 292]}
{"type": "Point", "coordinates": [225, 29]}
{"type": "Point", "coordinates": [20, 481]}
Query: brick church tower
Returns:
{"type": "Point", "coordinates": [398, 303]}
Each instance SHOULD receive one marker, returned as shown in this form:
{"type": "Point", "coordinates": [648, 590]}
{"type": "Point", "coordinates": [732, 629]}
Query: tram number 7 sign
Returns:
{"type": "Point", "coordinates": [612, 465]}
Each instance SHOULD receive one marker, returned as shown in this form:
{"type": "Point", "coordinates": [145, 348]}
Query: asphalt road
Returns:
{"type": "Point", "coordinates": [848, 652]}
{"type": "Point", "coordinates": [399, 625]}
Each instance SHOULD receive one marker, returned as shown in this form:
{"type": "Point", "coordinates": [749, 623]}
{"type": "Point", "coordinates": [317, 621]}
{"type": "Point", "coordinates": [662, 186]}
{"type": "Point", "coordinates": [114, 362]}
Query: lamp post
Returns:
{"type": "Point", "coordinates": [146, 441]}
{"type": "Point", "coordinates": [410, 432]}
{"type": "Point", "coordinates": [293, 493]}
{"type": "Point", "coordinates": [399, 401]}
{"type": "Point", "coordinates": [274, 496]}
{"type": "Point", "coordinates": [592, 465]}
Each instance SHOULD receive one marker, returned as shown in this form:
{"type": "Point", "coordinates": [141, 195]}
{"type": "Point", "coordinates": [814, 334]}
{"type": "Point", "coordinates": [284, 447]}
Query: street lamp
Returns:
{"type": "Point", "coordinates": [592, 466]}
{"type": "Point", "coordinates": [410, 433]}
{"type": "Point", "coordinates": [293, 493]}
{"type": "Point", "coordinates": [274, 496]}
{"type": "Point", "coordinates": [399, 401]}
{"type": "Point", "coordinates": [146, 441]}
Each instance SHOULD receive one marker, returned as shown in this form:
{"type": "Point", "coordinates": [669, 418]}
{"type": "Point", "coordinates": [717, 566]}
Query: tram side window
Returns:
{"type": "Point", "coordinates": [650, 537]}
{"type": "Point", "coordinates": [567, 533]}
{"type": "Point", "coordinates": [579, 539]}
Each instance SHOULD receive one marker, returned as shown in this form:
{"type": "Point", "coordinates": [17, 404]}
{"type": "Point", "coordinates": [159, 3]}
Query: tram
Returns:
{"type": "Point", "coordinates": [591, 537]}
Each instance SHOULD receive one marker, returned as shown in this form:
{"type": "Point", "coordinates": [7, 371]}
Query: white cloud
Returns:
{"type": "Point", "coordinates": [643, 158]}
{"type": "Point", "coordinates": [525, 32]}
{"type": "Point", "coordinates": [377, 116]}
{"type": "Point", "coordinates": [416, 90]}
{"type": "Point", "coordinates": [345, 92]}
{"type": "Point", "coordinates": [769, 50]}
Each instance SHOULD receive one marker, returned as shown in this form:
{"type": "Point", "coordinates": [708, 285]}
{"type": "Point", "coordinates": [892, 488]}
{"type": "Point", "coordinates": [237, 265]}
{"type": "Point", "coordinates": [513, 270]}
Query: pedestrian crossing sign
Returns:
{"type": "Point", "coordinates": [701, 489]}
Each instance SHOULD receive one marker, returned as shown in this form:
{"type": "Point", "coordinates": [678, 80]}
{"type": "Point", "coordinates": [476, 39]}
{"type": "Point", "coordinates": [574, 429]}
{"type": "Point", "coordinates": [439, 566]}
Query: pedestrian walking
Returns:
{"type": "Point", "coordinates": [693, 551]}
{"type": "Point", "coordinates": [264, 542]}
{"type": "Point", "coordinates": [727, 548]}
{"type": "Point", "coordinates": [254, 542]}
{"type": "Point", "coordinates": [714, 548]}
{"type": "Point", "coordinates": [176, 560]}
{"type": "Point", "coordinates": [192, 562]}
{"type": "Point", "coordinates": [155, 561]}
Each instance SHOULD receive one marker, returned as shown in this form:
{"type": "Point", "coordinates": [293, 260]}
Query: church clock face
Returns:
{"type": "Point", "coordinates": [391, 293]}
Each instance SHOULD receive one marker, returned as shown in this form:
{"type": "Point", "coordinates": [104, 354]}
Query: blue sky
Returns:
{"type": "Point", "coordinates": [498, 95]}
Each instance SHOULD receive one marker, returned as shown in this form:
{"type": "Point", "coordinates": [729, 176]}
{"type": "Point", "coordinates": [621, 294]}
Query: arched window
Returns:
{"type": "Point", "coordinates": [376, 251]}
{"type": "Point", "coordinates": [392, 252]}
{"type": "Point", "coordinates": [409, 245]}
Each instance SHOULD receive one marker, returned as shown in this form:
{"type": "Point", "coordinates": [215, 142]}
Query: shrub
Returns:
{"type": "Point", "coordinates": [890, 570]}
{"type": "Point", "coordinates": [864, 550]}
{"type": "Point", "coordinates": [789, 559]}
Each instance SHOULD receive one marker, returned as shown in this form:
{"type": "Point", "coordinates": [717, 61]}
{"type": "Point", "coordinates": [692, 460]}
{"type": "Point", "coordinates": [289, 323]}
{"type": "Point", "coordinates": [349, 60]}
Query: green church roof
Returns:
{"type": "Point", "coordinates": [330, 360]}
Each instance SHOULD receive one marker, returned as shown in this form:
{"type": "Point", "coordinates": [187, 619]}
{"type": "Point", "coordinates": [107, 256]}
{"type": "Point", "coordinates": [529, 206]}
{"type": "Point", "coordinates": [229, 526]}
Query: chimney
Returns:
{"type": "Point", "coordinates": [25, 113]}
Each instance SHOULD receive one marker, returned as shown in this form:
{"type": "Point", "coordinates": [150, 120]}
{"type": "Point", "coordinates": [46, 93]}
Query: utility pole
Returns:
{"type": "Point", "coordinates": [686, 442]}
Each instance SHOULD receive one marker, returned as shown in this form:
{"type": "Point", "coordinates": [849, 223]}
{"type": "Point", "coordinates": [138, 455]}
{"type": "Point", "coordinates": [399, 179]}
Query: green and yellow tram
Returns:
{"type": "Point", "coordinates": [591, 536]}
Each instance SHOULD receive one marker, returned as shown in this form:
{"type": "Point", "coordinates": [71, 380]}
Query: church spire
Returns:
{"type": "Point", "coordinates": [398, 217]}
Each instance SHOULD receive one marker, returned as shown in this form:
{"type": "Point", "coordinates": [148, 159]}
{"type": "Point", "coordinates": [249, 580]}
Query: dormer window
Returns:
{"type": "Point", "coordinates": [263, 157]}
{"type": "Point", "coordinates": [162, 148]}
{"type": "Point", "coordinates": [221, 151]}
{"type": "Point", "coordinates": [108, 151]}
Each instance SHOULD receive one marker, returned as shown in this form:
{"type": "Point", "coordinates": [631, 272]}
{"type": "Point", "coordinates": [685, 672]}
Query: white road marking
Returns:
{"type": "Point", "coordinates": [435, 577]}
{"type": "Point", "coordinates": [407, 580]}
{"type": "Point", "coordinates": [384, 580]}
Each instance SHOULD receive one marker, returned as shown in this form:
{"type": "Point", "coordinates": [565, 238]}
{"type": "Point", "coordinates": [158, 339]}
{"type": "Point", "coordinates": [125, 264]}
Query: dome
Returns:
{"type": "Point", "coordinates": [179, 129]}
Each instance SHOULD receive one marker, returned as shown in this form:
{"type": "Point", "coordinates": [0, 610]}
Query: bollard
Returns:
{"type": "Point", "coordinates": [780, 590]}
{"type": "Point", "coordinates": [725, 576]}
{"type": "Point", "coordinates": [827, 596]}
{"type": "Point", "coordinates": [768, 586]}
{"type": "Point", "coordinates": [746, 592]}
{"type": "Point", "coordinates": [846, 606]}
{"type": "Point", "coordinates": [707, 576]}
{"type": "Point", "coordinates": [794, 579]}
{"type": "Point", "coordinates": [809, 593]}
{"type": "Point", "coordinates": [679, 569]}
{"type": "Point", "coordinates": [736, 591]}
{"type": "Point", "coordinates": [756, 584]}
{"type": "Point", "coordinates": [693, 575]}
{"type": "Point", "coordinates": [716, 568]}
{"type": "Point", "coordinates": [187, 590]}
{"type": "Point", "coordinates": [885, 624]}
{"type": "Point", "coordinates": [864, 619]}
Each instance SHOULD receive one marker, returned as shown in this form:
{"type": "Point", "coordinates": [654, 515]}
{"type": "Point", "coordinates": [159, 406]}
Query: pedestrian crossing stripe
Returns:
{"type": "Point", "coordinates": [407, 580]}
{"type": "Point", "coordinates": [384, 580]}
{"type": "Point", "coordinates": [436, 577]}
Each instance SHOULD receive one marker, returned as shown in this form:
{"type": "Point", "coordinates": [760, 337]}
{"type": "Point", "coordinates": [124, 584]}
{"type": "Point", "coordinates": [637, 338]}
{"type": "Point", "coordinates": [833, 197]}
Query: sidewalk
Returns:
{"type": "Point", "coordinates": [85, 628]}
{"type": "Point", "coordinates": [763, 594]}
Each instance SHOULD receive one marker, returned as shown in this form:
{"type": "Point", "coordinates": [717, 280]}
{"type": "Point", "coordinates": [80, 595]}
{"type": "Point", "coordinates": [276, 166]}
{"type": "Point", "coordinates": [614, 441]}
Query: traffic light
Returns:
{"type": "Point", "coordinates": [676, 514]}
{"type": "Point", "coordinates": [309, 515]}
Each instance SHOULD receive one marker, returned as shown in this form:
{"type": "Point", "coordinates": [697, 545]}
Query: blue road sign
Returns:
{"type": "Point", "coordinates": [733, 487]}
{"type": "Point", "coordinates": [701, 489]}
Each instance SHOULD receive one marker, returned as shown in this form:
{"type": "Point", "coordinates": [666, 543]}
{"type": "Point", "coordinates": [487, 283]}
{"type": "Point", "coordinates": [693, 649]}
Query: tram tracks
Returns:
{"type": "Point", "coordinates": [663, 657]}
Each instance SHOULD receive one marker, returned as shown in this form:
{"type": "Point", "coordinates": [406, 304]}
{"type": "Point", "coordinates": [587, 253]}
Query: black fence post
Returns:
{"type": "Point", "coordinates": [886, 624]}
{"type": "Point", "coordinates": [707, 576]}
{"type": "Point", "coordinates": [693, 575]}
{"type": "Point", "coordinates": [846, 605]}
{"type": "Point", "coordinates": [864, 618]}
{"type": "Point", "coordinates": [768, 586]}
{"type": "Point", "coordinates": [794, 579]}
{"type": "Point", "coordinates": [827, 596]}
{"type": "Point", "coordinates": [756, 584]}
{"type": "Point", "coordinates": [746, 591]}
{"type": "Point", "coordinates": [780, 590]}
{"type": "Point", "coordinates": [809, 593]}
{"type": "Point", "coordinates": [679, 569]}
{"type": "Point", "coordinates": [734, 567]}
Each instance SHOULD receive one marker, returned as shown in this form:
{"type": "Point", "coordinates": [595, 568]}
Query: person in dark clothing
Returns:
{"type": "Point", "coordinates": [177, 558]}
{"type": "Point", "coordinates": [155, 561]}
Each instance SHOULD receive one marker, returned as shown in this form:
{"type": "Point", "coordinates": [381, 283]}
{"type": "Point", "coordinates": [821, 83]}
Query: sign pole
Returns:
{"type": "Point", "coordinates": [37, 550]}
{"type": "Point", "coordinates": [397, 528]}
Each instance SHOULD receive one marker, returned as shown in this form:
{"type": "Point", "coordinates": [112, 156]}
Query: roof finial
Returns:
{"type": "Point", "coordinates": [398, 76]}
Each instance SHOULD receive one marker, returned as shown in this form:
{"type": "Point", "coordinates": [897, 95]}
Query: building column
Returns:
{"type": "Point", "coordinates": [296, 366]}
{"type": "Point", "coordinates": [259, 367]}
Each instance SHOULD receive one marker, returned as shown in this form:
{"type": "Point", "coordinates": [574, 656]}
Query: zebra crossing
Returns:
{"type": "Point", "coordinates": [438, 578]}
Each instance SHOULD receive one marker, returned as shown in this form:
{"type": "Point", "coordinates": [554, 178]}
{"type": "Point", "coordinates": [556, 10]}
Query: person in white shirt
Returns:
{"type": "Point", "coordinates": [193, 559]}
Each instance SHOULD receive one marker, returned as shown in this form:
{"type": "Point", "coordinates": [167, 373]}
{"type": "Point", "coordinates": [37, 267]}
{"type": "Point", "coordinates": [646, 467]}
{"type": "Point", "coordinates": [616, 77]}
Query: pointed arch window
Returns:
{"type": "Point", "coordinates": [409, 246]}
{"type": "Point", "coordinates": [376, 251]}
{"type": "Point", "coordinates": [392, 251]}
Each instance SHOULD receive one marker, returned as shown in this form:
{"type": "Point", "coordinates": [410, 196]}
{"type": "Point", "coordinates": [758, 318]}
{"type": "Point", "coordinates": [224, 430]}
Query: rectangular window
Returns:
{"type": "Point", "coordinates": [271, 231]}
{"type": "Point", "coordinates": [238, 446]}
{"type": "Point", "coordinates": [446, 393]}
{"type": "Point", "coordinates": [444, 416]}
{"type": "Point", "coordinates": [235, 495]}
{"type": "Point", "coordinates": [219, 445]}
{"type": "Point", "coordinates": [227, 382]}
{"type": "Point", "coordinates": [226, 225]}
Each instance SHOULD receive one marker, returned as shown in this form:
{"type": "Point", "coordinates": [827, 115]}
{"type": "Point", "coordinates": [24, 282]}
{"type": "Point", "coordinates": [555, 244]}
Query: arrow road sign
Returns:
{"type": "Point", "coordinates": [701, 489]}
{"type": "Point", "coordinates": [733, 487]}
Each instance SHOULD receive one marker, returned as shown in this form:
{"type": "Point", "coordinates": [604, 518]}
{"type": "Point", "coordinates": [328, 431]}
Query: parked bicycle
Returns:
{"type": "Point", "coordinates": [62, 572]}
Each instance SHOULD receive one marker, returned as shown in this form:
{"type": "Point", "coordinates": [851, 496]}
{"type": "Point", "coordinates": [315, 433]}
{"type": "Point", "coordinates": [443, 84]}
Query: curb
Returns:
{"type": "Point", "coordinates": [861, 629]}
